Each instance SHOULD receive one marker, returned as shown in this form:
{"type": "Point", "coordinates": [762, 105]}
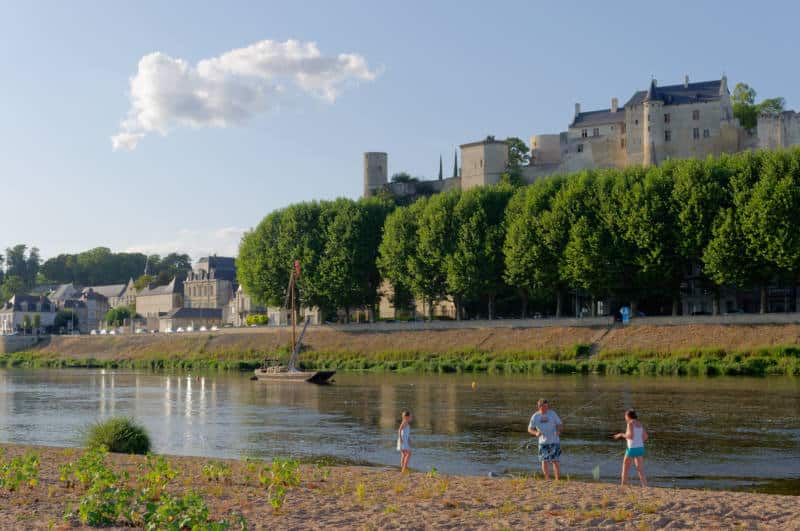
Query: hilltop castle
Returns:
{"type": "Point", "coordinates": [671, 122]}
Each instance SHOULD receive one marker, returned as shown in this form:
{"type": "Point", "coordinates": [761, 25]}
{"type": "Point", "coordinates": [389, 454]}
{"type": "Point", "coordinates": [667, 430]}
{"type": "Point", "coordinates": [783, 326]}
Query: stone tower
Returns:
{"type": "Point", "coordinates": [375, 172]}
{"type": "Point", "coordinates": [653, 127]}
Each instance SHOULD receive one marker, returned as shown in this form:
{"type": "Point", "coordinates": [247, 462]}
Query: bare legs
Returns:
{"type": "Point", "coordinates": [556, 469]}
{"type": "Point", "coordinates": [626, 465]}
{"type": "Point", "coordinates": [405, 456]}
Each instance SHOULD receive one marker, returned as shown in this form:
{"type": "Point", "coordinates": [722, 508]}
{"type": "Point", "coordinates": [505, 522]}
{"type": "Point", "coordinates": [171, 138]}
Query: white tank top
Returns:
{"type": "Point", "coordinates": [637, 441]}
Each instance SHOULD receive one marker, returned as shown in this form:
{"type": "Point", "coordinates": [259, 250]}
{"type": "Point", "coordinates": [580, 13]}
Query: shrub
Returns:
{"type": "Point", "coordinates": [257, 319]}
{"type": "Point", "coordinates": [119, 434]}
{"type": "Point", "coordinates": [20, 471]}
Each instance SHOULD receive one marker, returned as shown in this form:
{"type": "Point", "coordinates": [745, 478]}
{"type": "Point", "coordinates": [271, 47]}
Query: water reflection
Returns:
{"type": "Point", "coordinates": [707, 432]}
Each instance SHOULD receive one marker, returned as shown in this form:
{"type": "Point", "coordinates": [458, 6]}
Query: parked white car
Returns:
{"type": "Point", "coordinates": [190, 329]}
{"type": "Point", "coordinates": [112, 333]}
{"type": "Point", "coordinates": [140, 330]}
{"type": "Point", "coordinates": [103, 332]}
{"type": "Point", "coordinates": [214, 328]}
{"type": "Point", "coordinates": [93, 333]}
{"type": "Point", "coordinates": [168, 331]}
{"type": "Point", "coordinates": [203, 329]}
{"type": "Point", "coordinates": [180, 329]}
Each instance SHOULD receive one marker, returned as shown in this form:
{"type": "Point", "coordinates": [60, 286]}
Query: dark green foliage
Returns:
{"type": "Point", "coordinates": [117, 316]}
{"type": "Point", "coordinates": [119, 434]}
{"type": "Point", "coordinates": [64, 318]}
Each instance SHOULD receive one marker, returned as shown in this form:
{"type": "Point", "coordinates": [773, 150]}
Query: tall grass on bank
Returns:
{"type": "Point", "coordinates": [118, 434]}
{"type": "Point", "coordinates": [706, 362]}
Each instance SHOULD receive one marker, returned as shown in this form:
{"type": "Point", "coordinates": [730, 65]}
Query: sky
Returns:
{"type": "Point", "coordinates": [175, 126]}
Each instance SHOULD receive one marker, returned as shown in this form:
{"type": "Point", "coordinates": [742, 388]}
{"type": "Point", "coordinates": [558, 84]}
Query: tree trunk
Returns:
{"type": "Point", "coordinates": [430, 310]}
{"type": "Point", "coordinates": [634, 308]}
{"type": "Point", "coordinates": [457, 303]}
{"type": "Point", "coordinates": [593, 309]}
{"type": "Point", "coordinates": [763, 297]}
{"type": "Point", "coordinates": [715, 304]}
{"type": "Point", "coordinates": [559, 303]}
{"type": "Point", "coordinates": [491, 308]}
{"type": "Point", "coordinates": [675, 305]}
{"type": "Point", "coordinates": [524, 306]}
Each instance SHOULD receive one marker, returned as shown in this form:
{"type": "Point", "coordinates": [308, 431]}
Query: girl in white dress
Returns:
{"type": "Point", "coordinates": [404, 440]}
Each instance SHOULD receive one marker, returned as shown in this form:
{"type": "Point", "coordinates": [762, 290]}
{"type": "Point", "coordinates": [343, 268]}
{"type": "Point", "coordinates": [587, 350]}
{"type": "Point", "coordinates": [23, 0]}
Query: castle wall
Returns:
{"type": "Point", "coordinates": [779, 131]}
{"type": "Point", "coordinates": [546, 149]}
{"type": "Point", "coordinates": [482, 163]}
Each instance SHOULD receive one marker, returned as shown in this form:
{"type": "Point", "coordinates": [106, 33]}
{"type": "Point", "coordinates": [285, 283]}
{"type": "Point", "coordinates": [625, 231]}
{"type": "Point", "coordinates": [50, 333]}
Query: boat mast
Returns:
{"type": "Point", "coordinates": [291, 288]}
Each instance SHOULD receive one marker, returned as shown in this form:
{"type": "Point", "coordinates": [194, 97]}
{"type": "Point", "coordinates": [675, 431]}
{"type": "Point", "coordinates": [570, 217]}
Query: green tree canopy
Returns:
{"type": "Point", "coordinates": [747, 110]}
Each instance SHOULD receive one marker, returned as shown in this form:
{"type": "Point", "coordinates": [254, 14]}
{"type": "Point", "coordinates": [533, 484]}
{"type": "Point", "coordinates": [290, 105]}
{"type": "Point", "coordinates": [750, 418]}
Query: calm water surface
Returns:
{"type": "Point", "coordinates": [709, 433]}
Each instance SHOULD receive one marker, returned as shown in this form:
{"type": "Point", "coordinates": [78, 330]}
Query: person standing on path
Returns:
{"type": "Point", "coordinates": [635, 436]}
{"type": "Point", "coordinates": [546, 425]}
{"type": "Point", "coordinates": [404, 440]}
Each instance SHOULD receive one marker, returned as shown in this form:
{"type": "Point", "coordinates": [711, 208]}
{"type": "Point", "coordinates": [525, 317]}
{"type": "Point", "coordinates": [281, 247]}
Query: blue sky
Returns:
{"type": "Point", "coordinates": [444, 73]}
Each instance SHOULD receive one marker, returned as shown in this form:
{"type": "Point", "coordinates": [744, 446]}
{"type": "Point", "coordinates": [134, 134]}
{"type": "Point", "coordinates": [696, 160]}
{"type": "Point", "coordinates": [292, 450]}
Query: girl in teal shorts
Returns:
{"type": "Point", "coordinates": [635, 436]}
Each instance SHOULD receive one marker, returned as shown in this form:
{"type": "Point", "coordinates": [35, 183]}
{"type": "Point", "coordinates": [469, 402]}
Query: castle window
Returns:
{"type": "Point", "coordinates": [584, 133]}
{"type": "Point", "coordinates": [666, 118]}
{"type": "Point", "coordinates": [636, 122]}
{"type": "Point", "coordinates": [706, 133]}
{"type": "Point", "coordinates": [696, 133]}
{"type": "Point", "coordinates": [667, 135]}
{"type": "Point", "coordinates": [580, 148]}
{"type": "Point", "coordinates": [596, 131]}
{"type": "Point", "coordinates": [695, 115]}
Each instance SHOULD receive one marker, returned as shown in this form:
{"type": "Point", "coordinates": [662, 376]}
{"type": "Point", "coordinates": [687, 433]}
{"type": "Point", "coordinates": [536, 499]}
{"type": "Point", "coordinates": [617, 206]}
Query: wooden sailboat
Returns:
{"type": "Point", "coordinates": [289, 372]}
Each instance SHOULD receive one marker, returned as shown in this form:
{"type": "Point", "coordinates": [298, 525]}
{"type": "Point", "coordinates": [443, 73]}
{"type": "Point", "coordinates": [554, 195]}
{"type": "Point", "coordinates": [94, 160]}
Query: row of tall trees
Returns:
{"type": "Point", "coordinates": [101, 266]}
{"type": "Point", "coordinates": [336, 243]}
{"type": "Point", "coordinates": [21, 270]}
{"type": "Point", "coordinates": [624, 236]}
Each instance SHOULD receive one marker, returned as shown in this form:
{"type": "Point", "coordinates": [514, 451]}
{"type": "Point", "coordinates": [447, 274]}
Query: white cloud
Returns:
{"type": "Point", "coordinates": [196, 243]}
{"type": "Point", "coordinates": [168, 92]}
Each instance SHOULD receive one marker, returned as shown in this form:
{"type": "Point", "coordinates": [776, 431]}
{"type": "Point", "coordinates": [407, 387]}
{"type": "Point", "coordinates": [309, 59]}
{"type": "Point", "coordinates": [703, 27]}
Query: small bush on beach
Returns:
{"type": "Point", "coordinates": [119, 434]}
{"type": "Point", "coordinates": [19, 471]}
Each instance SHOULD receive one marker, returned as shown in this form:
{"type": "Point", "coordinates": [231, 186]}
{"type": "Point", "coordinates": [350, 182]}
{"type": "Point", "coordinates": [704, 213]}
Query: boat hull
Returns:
{"type": "Point", "coordinates": [317, 377]}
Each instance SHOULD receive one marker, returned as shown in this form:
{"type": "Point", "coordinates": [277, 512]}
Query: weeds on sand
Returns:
{"type": "Point", "coordinates": [399, 489]}
{"type": "Point", "coordinates": [390, 509]}
{"type": "Point", "coordinates": [155, 473]}
{"type": "Point", "coordinates": [442, 487]}
{"type": "Point", "coordinates": [321, 472]}
{"type": "Point", "coordinates": [88, 469]}
{"type": "Point", "coordinates": [433, 473]}
{"type": "Point", "coordinates": [278, 477]}
{"type": "Point", "coordinates": [647, 508]}
{"type": "Point", "coordinates": [250, 468]}
{"type": "Point", "coordinates": [19, 471]}
{"type": "Point", "coordinates": [361, 491]}
{"type": "Point", "coordinates": [620, 515]}
{"type": "Point", "coordinates": [507, 508]}
{"type": "Point", "coordinates": [217, 471]}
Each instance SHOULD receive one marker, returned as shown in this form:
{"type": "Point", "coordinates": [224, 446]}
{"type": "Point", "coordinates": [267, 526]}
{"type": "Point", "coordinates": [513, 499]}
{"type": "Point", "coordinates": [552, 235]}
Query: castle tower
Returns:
{"type": "Point", "coordinates": [376, 172]}
{"type": "Point", "coordinates": [653, 127]}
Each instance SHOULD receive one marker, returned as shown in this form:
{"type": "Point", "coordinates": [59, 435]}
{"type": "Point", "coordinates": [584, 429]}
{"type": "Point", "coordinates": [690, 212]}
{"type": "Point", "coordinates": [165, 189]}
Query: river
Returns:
{"type": "Point", "coordinates": [717, 433]}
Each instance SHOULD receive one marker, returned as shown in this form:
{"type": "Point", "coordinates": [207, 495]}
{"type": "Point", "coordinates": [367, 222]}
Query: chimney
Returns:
{"type": "Point", "coordinates": [685, 81]}
{"type": "Point", "coordinates": [614, 104]}
{"type": "Point", "coordinates": [577, 109]}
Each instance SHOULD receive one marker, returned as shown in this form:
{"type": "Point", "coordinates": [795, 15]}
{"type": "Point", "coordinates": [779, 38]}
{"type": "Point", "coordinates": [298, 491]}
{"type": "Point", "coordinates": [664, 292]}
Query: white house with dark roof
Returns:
{"type": "Point", "coordinates": [14, 311]}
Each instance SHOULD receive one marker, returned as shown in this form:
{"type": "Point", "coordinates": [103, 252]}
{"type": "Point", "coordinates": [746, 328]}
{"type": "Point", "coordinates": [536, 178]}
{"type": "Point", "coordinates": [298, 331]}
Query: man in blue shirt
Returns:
{"type": "Point", "coordinates": [546, 425]}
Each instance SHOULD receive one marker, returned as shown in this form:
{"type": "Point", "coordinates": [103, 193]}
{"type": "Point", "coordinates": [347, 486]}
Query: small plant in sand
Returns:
{"type": "Point", "coordinates": [250, 468]}
{"type": "Point", "coordinates": [119, 434]}
{"type": "Point", "coordinates": [19, 471]}
{"type": "Point", "coordinates": [442, 486]}
{"type": "Point", "coordinates": [361, 491]}
{"type": "Point", "coordinates": [155, 473]}
{"type": "Point", "coordinates": [433, 473]}
{"type": "Point", "coordinates": [90, 467]}
{"type": "Point", "coordinates": [322, 472]}
{"type": "Point", "coordinates": [177, 513]}
{"type": "Point", "coordinates": [620, 515]}
{"type": "Point", "coordinates": [278, 477]}
{"type": "Point", "coordinates": [390, 509]}
{"type": "Point", "coordinates": [217, 471]}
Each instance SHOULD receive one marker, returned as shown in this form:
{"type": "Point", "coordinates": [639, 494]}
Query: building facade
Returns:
{"type": "Point", "coordinates": [211, 284]}
{"type": "Point", "coordinates": [155, 301]}
{"type": "Point", "coordinates": [13, 312]}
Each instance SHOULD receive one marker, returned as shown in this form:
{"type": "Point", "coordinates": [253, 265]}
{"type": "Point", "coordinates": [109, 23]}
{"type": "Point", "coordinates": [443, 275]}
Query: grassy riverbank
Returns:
{"type": "Point", "coordinates": [695, 362]}
{"type": "Point", "coordinates": [68, 488]}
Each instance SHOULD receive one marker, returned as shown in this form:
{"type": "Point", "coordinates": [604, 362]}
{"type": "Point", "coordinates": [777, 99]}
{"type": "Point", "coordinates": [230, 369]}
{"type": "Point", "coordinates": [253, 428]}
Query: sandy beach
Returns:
{"type": "Point", "coordinates": [349, 497]}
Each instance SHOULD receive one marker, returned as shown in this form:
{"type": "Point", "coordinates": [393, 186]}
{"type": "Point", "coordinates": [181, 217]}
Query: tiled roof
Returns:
{"type": "Point", "coordinates": [604, 116]}
{"type": "Point", "coordinates": [109, 290]}
{"type": "Point", "coordinates": [700, 92]}
{"type": "Point", "coordinates": [194, 313]}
